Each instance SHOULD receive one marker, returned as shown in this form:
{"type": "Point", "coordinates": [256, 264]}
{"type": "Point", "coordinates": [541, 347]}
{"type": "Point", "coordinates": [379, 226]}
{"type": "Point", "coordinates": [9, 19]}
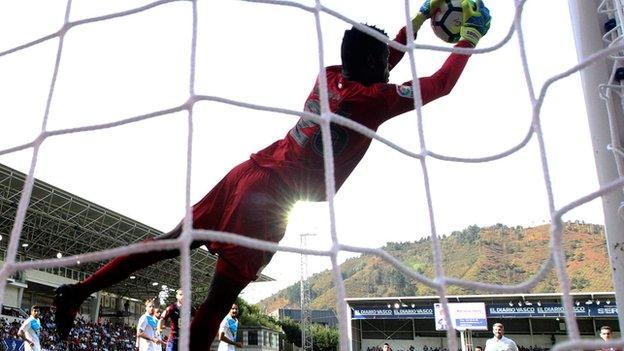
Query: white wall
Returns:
{"type": "Point", "coordinates": [48, 279]}
{"type": "Point", "coordinates": [11, 296]}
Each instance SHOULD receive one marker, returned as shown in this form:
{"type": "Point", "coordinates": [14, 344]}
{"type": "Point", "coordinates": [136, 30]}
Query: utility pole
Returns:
{"type": "Point", "coordinates": [306, 314]}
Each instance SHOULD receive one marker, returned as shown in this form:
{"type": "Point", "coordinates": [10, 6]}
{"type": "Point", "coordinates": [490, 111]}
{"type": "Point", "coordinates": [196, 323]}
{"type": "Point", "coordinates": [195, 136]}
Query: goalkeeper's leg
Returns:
{"type": "Point", "coordinates": [259, 211]}
{"type": "Point", "coordinates": [68, 298]}
{"type": "Point", "coordinates": [249, 200]}
{"type": "Point", "coordinates": [231, 276]}
{"type": "Point", "coordinates": [205, 325]}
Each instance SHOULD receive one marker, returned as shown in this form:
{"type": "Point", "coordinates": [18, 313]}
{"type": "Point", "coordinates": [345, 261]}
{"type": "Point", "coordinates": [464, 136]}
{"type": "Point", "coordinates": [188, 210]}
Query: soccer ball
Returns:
{"type": "Point", "coordinates": [446, 21]}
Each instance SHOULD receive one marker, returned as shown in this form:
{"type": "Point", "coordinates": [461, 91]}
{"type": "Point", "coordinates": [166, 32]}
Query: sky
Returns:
{"type": "Point", "coordinates": [268, 55]}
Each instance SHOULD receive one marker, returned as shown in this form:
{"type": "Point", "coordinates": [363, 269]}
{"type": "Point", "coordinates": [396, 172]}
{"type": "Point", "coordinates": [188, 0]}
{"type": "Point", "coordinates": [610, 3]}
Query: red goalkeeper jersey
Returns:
{"type": "Point", "coordinates": [298, 158]}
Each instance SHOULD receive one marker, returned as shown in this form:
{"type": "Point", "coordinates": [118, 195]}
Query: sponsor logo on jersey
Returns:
{"type": "Point", "coordinates": [298, 131]}
{"type": "Point", "coordinates": [339, 140]}
{"type": "Point", "coordinates": [405, 91]}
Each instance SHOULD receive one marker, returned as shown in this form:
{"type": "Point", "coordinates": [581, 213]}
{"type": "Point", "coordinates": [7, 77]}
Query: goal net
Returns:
{"type": "Point", "coordinates": [167, 86]}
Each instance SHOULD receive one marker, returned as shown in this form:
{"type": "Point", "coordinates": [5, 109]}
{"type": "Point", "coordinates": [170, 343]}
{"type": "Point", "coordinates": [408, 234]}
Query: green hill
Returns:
{"type": "Point", "coordinates": [497, 254]}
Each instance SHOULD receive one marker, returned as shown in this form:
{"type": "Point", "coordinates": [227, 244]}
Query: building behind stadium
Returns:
{"type": "Point", "coordinates": [534, 321]}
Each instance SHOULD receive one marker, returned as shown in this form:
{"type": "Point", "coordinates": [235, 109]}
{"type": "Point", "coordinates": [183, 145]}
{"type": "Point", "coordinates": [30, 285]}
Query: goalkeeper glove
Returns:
{"type": "Point", "coordinates": [476, 20]}
{"type": "Point", "coordinates": [427, 8]}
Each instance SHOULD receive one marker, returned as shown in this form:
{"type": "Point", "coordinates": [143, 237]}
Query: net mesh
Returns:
{"type": "Point", "coordinates": [440, 282]}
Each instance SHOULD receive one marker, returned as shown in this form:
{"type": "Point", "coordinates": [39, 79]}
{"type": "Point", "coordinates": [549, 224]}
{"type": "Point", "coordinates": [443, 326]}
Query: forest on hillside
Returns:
{"type": "Point", "coordinates": [497, 254]}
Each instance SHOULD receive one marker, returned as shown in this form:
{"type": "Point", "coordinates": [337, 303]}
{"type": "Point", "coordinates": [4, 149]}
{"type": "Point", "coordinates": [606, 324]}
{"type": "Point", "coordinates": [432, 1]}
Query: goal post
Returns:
{"type": "Point", "coordinates": [587, 25]}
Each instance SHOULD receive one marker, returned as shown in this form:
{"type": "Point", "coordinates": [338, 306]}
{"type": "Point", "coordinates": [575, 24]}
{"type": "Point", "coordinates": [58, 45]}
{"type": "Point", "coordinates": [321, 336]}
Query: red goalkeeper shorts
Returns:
{"type": "Point", "coordinates": [251, 201]}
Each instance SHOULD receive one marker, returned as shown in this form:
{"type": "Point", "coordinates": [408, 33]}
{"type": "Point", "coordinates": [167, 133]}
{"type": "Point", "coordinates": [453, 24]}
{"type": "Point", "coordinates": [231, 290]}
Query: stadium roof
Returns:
{"type": "Point", "coordinates": [57, 221]}
{"type": "Point", "coordinates": [485, 297]}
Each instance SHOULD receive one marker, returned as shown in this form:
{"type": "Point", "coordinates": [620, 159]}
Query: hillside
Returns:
{"type": "Point", "coordinates": [497, 254]}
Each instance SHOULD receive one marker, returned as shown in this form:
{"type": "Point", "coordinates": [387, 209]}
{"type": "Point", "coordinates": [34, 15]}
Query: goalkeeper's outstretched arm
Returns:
{"type": "Point", "coordinates": [476, 23]}
{"type": "Point", "coordinates": [443, 80]}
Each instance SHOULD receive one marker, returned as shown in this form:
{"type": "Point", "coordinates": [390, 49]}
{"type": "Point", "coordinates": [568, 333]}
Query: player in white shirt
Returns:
{"type": "Point", "coordinates": [146, 329]}
{"type": "Point", "coordinates": [500, 342]}
{"type": "Point", "coordinates": [30, 331]}
{"type": "Point", "coordinates": [228, 330]}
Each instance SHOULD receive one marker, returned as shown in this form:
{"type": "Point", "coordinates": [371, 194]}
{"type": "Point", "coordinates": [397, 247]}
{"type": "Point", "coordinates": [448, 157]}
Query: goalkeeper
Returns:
{"type": "Point", "coordinates": [253, 199]}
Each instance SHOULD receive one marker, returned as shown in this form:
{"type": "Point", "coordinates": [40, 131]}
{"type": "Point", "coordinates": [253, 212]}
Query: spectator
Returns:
{"type": "Point", "coordinates": [500, 342]}
{"type": "Point", "coordinates": [606, 333]}
{"type": "Point", "coordinates": [104, 336]}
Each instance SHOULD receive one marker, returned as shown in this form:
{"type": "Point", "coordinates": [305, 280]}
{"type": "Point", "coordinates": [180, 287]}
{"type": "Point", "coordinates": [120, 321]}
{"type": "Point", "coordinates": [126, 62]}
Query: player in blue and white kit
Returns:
{"type": "Point", "coordinates": [146, 329]}
{"type": "Point", "coordinates": [30, 331]}
{"type": "Point", "coordinates": [228, 331]}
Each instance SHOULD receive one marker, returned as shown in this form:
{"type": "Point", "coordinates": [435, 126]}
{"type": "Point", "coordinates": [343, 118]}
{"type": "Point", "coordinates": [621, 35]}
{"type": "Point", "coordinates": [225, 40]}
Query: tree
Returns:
{"type": "Point", "coordinates": [468, 235]}
{"type": "Point", "coordinates": [293, 292]}
{"type": "Point", "coordinates": [250, 315]}
{"type": "Point", "coordinates": [292, 331]}
{"type": "Point", "coordinates": [324, 338]}
{"type": "Point", "coordinates": [579, 282]}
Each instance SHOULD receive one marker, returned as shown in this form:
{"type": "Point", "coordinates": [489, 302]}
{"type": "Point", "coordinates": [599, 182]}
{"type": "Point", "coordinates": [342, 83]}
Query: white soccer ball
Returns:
{"type": "Point", "coordinates": [446, 21]}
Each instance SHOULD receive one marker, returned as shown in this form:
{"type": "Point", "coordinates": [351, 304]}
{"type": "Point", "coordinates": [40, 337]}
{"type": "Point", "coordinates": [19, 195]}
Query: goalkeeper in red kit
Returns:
{"type": "Point", "coordinates": [253, 199]}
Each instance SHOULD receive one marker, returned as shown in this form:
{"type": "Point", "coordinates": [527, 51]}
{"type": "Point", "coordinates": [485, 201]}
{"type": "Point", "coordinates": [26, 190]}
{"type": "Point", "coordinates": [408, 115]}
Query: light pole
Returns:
{"type": "Point", "coordinates": [306, 314]}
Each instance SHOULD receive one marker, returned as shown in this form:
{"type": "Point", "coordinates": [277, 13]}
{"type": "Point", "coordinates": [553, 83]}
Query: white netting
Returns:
{"type": "Point", "coordinates": [611, 90]}
{"type": "Point", "coordinates": [440, 282]}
